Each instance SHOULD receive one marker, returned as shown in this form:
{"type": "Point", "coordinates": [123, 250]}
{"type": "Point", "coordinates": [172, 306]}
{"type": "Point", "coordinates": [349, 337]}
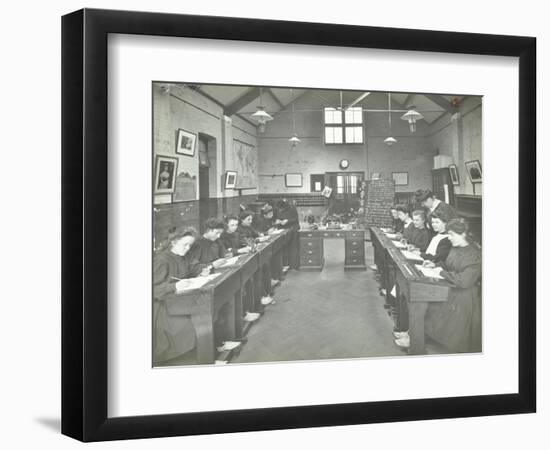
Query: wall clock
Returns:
{"type": "Point", "coordinates": [344, 164]}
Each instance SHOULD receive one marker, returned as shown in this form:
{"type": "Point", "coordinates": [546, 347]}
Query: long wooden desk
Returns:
{"type": "Point", "coordinates": [311, 248]}
{"type": "Point", "coordinates": [217, 308]}
{"type": "Point", "coordinates": [410, 285]}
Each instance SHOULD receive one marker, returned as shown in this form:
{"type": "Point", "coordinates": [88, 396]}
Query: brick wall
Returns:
{"type": "Point", "coordinates": [380, 198]}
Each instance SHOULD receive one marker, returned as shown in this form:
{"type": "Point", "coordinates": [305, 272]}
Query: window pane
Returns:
{"type": "Point", "coordinates": [329, 135]}
{"type": "Point", "coordinates": [354, 135]}
{"type": "Point", "coordinates": [354, 115]}
{"type": "Point", "coordinates": [338, 136]}
{"type": "Point", "coordinates": [353, 184]}
{"type": "Point", "coordinates": [333, 116]}
{"type": "Point", "coordinates": [340, 184]}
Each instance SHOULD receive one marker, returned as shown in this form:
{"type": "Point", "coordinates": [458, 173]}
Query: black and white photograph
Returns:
{"type": "Point", "coordinates": [474, 171]}
{"type": "Point", "coordinates": [453, 171]}
{"type": "Point", "coordinates": [165, 174]}
{"type": "Point", "coordinates": [378, 255]}
{"type": "Point", "coordinates": [185, 143]}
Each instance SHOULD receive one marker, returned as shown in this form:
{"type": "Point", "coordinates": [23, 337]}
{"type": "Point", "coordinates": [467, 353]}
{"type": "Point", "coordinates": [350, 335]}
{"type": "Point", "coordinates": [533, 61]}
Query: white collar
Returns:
{"type": "Point", "coordinates": [435, 204]}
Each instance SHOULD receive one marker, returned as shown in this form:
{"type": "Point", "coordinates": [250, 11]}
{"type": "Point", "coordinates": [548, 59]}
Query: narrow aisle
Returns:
{"type": "Point", "coordinates": [323, 315]}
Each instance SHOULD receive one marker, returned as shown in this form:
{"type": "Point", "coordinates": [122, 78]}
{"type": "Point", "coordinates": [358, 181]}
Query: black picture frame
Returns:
{"type": "Point", "coordinates": [185, 142]}
{"type": "Point", "coordinates": [230, 179]}
{"type": "Point", "coordinates": [84, 224]}
{"type": "Point", "coordinates": [473, 168]}
{"type": "Point", "coordinates": [453, 172]}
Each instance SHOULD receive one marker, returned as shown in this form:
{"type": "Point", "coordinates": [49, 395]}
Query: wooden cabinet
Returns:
{"type": "Point", "coordinates": [311, 248]}
{"type": "Point", "coordinates": [440, 178]}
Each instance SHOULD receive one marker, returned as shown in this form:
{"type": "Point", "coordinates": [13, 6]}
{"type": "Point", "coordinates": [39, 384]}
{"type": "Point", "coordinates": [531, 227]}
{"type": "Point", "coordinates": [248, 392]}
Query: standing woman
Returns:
{"type": "Point", "coordinates": [287, 218]}
{"type": "Point", "coordinates": [456, 323]}
{"type": "Point", "coordinates": [173, 335]}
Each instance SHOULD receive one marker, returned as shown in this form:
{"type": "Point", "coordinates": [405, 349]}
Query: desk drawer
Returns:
{"type": "Point", "coordinates": [327, 234]}
{"type": "Point", "coordinates": [355, 244]}
{"type": "Point", "coordinates": [355, 235]}
{"type": "Point", "coordinates": [310, 244]}
{"type": "Point", "coordinates": [309, 234]}
{"type": "Point", "coordinates": [310, 260]}
{"type": "Point", "coordinates": [355, 261]}
{"type": "Point", "coordinates": [355, 252]}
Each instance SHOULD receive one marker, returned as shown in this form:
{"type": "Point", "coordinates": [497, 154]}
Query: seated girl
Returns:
{"type": "Point", "coordinates": [456, 323]}
{"type": "Point", "coordinates": [246, 231]}
{"type": "Point", "coordinates": [419, 236]}
{"type": "Point", "coordinates": [231, 238]}
{"type": "Point", "coordinates": [173, 335]}
{"type": "Point", "coordinates": [405, 217]}
{"type": "Point", "coordinates": [439, 246]}
{"type": "Point", "coordinates": [209, 249]}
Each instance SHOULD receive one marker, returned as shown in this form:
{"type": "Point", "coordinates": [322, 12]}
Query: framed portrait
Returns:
{"type": "Point", "coordinates": [316, 182]}
{"type": "Point", "coordinates": [453, 171]}
{"type": "Point", "coordinates": [185, 142]}
{"type": "Point", "coordinates": [474, 171]}
{"type": "Point", "coordinates": [111, 299]}
{"type": "Point", "coordinates": [166, 169]}
{"type": "Point", "coordinates": [230, 179]}
{"type": "Point", "coordinates": [400, 178]}
{"type": "Point", "coordinates": [293, 180]}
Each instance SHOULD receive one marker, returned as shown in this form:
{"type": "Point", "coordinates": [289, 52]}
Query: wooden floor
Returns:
{"type": "Point", "coordinates": [323, 315]}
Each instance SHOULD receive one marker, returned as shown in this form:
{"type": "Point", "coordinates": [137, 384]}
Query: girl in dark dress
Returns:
{"type": "Point", "coordinates": [231, 238]}
{"type": "Point", "coordinates": [456, 323]}
{"type": "Point", "coordinates": [397, 224]}
{"type": "Point", "coordinates": [173, 335]}
{"type": "Point", "coordinates": [287, 218]}
{"type": "Point", "coordinates": [404, 216]}
{"type": "Point", "coordinates": [439, 247]}
{"type": "Point", "coordinates": [420, 236]}
{"type": "Point", "coordinates": [209, 249]}
{"type": "Point", "coordinates": [246, 230]}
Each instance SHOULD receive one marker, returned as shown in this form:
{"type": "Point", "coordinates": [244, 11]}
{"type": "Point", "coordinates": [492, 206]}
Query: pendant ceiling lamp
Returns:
{"type": "Point", "coordinates": [389, 140]}
{"type": "Point", "coordinates": [411, 116]}
{"type": "Point", "coordinates": [294, 140]}
{"type": "Point", "coordinates": [261, 115]}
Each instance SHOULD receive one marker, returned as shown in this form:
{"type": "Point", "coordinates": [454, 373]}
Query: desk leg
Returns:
{"type": "Point", "coordinates": [258, 290]}
{"type": "Point", "coordinates": [204, 330]}
{"type": "Point", "coordinates": [277, 262]}
{"type": "Point", "coordinates": [238, 314]}
{"type": "Point", "coordinates": [417, 313]}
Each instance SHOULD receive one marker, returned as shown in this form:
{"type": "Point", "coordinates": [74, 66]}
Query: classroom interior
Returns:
{"type": "Point", "coordinates": [342, 159]}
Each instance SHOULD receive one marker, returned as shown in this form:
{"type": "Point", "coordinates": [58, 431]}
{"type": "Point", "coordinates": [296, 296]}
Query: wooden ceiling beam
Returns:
{"type": "Point", "coordinates": [249, 96]}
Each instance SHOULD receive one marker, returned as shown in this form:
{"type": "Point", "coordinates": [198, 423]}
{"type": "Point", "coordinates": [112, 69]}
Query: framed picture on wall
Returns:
{"type": "Point", "coordinates": [474, 171]}
{"type": "Point", "coordinates": [293, 180]}
{"type": "Point", "coordinates": [453, 170]}
{"type": "Point", "coordinates": [400, 178]}
{"type": "Point", "coordinates": [185, 142]}
{"type": "Point", "coordinates": [317, 181]}
{"type": "Point", "coordinates": [230, 179]}
{"type": "Point", "coordinates": [166, 169]}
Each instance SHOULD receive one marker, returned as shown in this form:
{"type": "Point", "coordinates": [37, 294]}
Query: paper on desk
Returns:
{"type": "Point", "coordinates": [391, 235]}
{"type": "Point", "coordinates": [193, 283]}
{"type": "Point", "coordinates": [430, 272]}
{"type": "Point", "coordinates": [411, 255]}
{"type": "Point", "coordinates": [263, 238]}
{"type": "Point", "coordinates": [399, 244]}
{"type": "Point", "coordinates": [386, 230]}
{"type": "Point", "coordinates": [230, 261]}
{"type": "Point", "coordinates": [279, 231]}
